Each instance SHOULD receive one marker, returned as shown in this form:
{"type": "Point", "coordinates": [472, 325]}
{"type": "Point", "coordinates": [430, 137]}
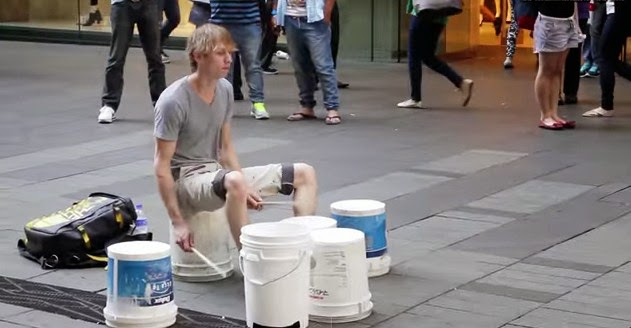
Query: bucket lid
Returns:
{"type": "Point", "coordinates": [139, 250]}
{"type": "Point", "coordinates": [336, 236]}
{"type": "Point", "coordinates": [274, 234]}
{"type": "Point", "coordinates": [358, 207]}
{"type": "Point", "coordinates": [312, 222]}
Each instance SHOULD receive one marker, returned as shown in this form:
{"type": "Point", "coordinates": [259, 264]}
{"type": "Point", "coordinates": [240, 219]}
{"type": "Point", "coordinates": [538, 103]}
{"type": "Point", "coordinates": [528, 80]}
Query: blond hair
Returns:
{"type": "Point", "coordinates": [205, 39]}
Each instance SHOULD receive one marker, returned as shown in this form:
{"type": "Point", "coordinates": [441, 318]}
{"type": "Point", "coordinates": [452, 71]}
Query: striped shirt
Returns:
{"type": "Point", "coordinates": [235, 12]}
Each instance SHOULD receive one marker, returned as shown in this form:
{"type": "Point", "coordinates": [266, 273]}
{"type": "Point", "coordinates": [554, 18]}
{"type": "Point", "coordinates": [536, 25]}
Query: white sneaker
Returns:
{"type": "Point", "coordinates": [598, 112]}
{"type": "Point", "coordinates": [106, 115]}
{"type": "Point", "coordinates": [282, 55]}
{"type": "Point", "coordinates": [467, 89]}
{"type": "Point", "coordinates": [410, 103]}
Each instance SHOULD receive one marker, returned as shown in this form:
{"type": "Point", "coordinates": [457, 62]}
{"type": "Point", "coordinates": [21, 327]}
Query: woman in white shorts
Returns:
{"type": "Point", "coordinates": [556, 31]}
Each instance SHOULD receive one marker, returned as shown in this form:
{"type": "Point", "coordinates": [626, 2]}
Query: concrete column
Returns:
{"type": "Point", "coordinates": [462, 35]}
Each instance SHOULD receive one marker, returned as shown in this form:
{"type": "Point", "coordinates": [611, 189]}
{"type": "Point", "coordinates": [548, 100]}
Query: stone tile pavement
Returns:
{"type": "Point", "coordinates": [492, 222]}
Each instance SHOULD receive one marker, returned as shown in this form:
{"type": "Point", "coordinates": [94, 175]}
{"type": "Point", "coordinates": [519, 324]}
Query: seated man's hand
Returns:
{"type": "Point", "coordinates": [183, 236]}
{"type": "Point", "coordinates": [254, 200]}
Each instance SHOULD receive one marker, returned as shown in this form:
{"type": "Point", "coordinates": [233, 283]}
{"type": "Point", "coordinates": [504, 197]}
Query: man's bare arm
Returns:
{"type": "Point", "coordinates": [229, 159]}
{"type": "Point", "coordinates": [328, 9]}
{"type": "Point", "coordinates": [166, 184]}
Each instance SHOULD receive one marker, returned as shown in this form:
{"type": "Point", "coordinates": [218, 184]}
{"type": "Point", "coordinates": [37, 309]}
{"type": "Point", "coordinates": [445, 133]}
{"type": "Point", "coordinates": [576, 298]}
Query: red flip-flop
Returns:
{"type": "Point", "coordinates": [568, 124]}
{"type": "Point", "coordinates": [551, 126]}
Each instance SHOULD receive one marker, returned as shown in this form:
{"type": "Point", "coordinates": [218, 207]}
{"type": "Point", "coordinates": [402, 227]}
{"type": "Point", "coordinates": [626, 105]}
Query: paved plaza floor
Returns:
{"type": "Point", "coordinates": [492, 221]}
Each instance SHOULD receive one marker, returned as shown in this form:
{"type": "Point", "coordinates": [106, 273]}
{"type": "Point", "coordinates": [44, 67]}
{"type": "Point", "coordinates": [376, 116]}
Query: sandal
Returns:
{"type": "Point", "coordinates": [568, 124]}
{"type": "Point", "coordinates": [333, 120]}
{"type": "Point", "coordinates": [551, 125]}
{"type": "Point", "coordinates": [300, 117]}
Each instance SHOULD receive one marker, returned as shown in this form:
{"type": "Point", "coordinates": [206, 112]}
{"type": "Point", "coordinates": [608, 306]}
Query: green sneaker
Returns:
{"type": "Point", "coordinates": [593, 71]}
{"type": "Point", "coordinates": [585, 68]}
{"type": "Point", "coordinates": [258, 111]}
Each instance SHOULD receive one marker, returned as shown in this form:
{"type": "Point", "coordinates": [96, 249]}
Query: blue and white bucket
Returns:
{"type": "Point", "coordinates": [368, 216]}
{"type": "Point", "coordinates": [139, 285]}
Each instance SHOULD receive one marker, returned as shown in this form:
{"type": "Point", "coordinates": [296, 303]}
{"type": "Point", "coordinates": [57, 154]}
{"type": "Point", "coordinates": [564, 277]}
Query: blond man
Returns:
{"type": "Point", "coordinates": [195, 162]}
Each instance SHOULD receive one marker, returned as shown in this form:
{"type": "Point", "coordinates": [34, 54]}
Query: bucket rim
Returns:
{"type": "Point", "coordinates": [139, 250]}
{"type": "Point", "coordinates": [274, 233]}
{"type": "Point", "coordinates": [358, 207]}
{"type": "Point", "coordinates": [337, 236]}
{"type": "Point", "coordinates": [313, 222]}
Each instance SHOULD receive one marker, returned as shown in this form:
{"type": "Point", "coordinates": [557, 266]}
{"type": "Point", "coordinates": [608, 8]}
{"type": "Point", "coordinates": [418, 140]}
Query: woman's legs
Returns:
{"type": "Point", "coordinates": [547, 84]}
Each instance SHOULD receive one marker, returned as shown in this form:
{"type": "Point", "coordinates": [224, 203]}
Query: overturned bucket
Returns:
{"type": "Point", "coordinates": [139, 285]}
{"type": "Point", "coordinates": [213, 240]}
{"type": "Point", "coordinates": [368, 216]}
{"type": "Point", "coordinates": [274, 261]}
{"type": "Point", "coordinates": [312, 222]}
{"type": "Point", "coordinates": [339, 279]}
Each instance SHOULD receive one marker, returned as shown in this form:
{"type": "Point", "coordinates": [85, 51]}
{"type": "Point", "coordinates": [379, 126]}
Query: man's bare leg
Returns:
{"type": "Point", "coordinates": [236, 206]}
{"type": "Point", "coordinates": [305, 190]}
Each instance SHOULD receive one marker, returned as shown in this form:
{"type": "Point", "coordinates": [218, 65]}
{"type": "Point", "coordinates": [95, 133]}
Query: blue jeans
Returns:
{"type": "Point", "coordinates": [310, 49]}
{"type": "Point", "coordinates": [248, 39]}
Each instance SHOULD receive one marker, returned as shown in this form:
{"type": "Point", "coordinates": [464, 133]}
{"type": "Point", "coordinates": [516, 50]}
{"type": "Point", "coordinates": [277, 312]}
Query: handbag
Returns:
{"type": "Point", "coordinates": [526, 14]}
{"type": "Point", "coordinates": [437, 8]}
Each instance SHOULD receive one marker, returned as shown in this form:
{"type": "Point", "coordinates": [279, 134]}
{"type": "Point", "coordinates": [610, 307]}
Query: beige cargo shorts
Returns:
{"type": "Point", "coordinates": [201, 187]}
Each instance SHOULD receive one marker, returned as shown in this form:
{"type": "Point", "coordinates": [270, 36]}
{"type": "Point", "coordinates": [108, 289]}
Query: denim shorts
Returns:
{"type": "Point", "coordinates": [555, 34]}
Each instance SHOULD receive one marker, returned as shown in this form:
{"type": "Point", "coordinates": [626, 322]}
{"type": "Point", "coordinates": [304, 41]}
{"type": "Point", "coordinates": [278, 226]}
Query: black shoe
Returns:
{"type": "Point", "coordinates": [571, 99]}
{"type": "Point", "coordinates": [497, 23]}
{"type": "Point", "coordinates": [94, 17]}
{"type": "Point", "coordinates": [270, 71]}
{"type": "Point", "coordinates": [342, 85]}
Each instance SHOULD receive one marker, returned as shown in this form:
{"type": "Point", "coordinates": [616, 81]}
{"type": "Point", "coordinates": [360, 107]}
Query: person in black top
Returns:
{"type": "Point", "coordinates": [615, 30]}
{"type": "Point", "coordinates": [555, 31]}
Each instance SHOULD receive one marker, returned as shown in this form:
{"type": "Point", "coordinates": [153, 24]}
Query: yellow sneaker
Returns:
{"type": "Point", "coordinates": [258, 111]}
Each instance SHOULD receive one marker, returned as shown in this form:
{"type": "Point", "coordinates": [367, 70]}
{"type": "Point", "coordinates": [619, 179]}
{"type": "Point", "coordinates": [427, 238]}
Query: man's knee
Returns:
{"type": "Point", "coordinates": [304, 175]}
{"type": "Point", "coordinates": [233, 183]}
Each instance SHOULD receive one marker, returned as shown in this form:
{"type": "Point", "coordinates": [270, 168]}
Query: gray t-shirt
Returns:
{"type": "Point", "coordinates": [182, 116]}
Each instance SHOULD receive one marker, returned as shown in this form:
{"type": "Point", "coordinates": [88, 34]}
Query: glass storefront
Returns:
{"type": "Point", "coordinates": [370, 30]}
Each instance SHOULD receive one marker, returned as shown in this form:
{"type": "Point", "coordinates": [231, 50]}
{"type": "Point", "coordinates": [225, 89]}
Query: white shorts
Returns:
{"type": "Point", "coordinates": [555, 34]}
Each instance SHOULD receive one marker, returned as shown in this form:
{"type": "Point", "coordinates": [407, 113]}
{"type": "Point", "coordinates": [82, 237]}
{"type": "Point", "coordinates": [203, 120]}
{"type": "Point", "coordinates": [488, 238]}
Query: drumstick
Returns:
{"type": "Point", "coordinates": [207, 261]}
{"type": "Point", "coordinates": [277, 203]}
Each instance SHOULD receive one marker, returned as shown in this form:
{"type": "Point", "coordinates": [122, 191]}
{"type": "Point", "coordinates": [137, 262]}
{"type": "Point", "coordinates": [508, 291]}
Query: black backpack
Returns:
{"type": "Point", "coordinates": [78, 236]}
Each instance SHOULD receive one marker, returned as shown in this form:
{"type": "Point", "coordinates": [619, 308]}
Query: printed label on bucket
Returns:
{"type": "Point", "coordinates": [329, 271]}
{"type": "Point", "coordinates": [142, 283]}
{"type": "Point", "coordinates": [374, 228]}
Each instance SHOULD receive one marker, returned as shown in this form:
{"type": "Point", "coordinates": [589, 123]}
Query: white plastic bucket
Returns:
{"type": "Point", "coordinates": [274, 260]}
{"type": "Point", "coordinates": [368, 216]}
{"type": "Point", "coordinates": [139, 285]}
{"type": "Point", "coordinates": [212, 238]}
{"type": "Point", "coordinates": [339, 279]}
{"type": "Point", "coordinates": [312, 222]}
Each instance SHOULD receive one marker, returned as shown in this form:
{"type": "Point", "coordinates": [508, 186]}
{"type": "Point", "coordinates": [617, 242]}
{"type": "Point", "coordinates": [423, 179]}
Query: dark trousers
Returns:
{"type": "Point", "coordinates": [422, 44]}
{"type": "Point", "coordinates": [171, 10]}
{"type": "Point", "coordinates": [124, 16]}
{"type": "Point", "coordinates": [572, 72]}
{"type": "Point", "coordinates": [94, 2]}
{"type": "Point", "coordinates": [270, 36]}
{"type": "Point", "coordinates": [595, 29]}
{"type": "Point", "coordinates": [613, 37]}
{"type": "Point", "coordinates": [335, 33]}
{"type": "Point", "coordinates": [237, 81]}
